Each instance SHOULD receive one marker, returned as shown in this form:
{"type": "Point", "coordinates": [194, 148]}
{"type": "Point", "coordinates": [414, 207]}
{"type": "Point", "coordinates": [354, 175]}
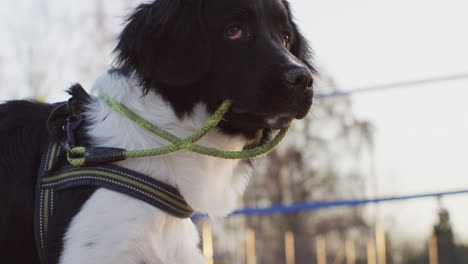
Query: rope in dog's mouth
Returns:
{"type": "Point", "coordinates": [81, 156]}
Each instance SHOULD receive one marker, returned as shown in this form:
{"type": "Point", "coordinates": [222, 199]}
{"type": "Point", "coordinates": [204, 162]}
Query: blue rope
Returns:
{"type": "Point", "coordinates": [394, 85]}
{"type": "Point", "coordinates": [312, 206]}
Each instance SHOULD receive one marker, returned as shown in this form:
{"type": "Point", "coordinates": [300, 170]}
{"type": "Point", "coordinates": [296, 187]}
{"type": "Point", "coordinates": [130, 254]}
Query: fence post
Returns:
{"type": "Point", "coordinates": [289, 247]}
{"type": "Point", "coordinates": [433, 254]}
{"type": "Point", "coordinates": [321, 249]}
{"type": "Point", "coordinates": [380, 240]}
{"type": "Point", "coordinates": [207, 237]}
{"type": "Point", "coordinates": [251, 257]}
{"type": "Point", "coordinates": [371, 257]}
{"type": "Point", "coordinates": [350, 252]}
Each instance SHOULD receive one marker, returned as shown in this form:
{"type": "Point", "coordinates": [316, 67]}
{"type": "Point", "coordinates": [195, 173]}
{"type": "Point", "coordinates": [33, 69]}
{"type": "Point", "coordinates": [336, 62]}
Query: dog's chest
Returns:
{"type": "Point", "coordinates": [114, 228]}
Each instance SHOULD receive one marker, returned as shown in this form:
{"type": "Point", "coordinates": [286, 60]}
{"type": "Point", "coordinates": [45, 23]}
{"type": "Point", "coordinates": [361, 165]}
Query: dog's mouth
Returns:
{"type": "Point", "coordinates": [259, 120]}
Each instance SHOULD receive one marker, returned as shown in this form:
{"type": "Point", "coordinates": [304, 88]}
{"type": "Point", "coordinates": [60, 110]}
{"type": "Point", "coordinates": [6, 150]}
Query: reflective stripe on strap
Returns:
{"type": "Point", "coordinates": [44, 198]}
{"type": "Point", "coordinates": [122, 180]}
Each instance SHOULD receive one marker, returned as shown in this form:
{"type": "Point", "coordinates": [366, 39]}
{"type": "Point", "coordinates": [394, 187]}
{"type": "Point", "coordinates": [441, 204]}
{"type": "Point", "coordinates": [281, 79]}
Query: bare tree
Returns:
{"type": "Point", "coordinates": [60, 47]}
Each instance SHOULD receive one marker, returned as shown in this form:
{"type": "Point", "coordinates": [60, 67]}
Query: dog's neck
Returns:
{"type": "Point", "coordinates": [210, 185]}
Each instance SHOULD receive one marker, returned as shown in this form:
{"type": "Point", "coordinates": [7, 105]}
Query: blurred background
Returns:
{"type": "Point", "coordinates": [390, 121]}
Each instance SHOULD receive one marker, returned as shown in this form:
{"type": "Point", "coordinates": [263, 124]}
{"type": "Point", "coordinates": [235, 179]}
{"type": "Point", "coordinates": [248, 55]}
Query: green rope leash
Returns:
{"type": "Point", "coordinates": [77, 159]}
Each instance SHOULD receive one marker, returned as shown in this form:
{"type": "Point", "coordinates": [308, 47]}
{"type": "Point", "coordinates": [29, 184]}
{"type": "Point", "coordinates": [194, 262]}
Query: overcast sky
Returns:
{"type": "Point", "coordinates": [421, 132]}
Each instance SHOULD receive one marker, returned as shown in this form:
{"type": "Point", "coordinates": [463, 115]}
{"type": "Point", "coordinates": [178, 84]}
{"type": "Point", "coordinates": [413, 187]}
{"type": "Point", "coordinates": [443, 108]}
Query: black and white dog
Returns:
{"type": "Point", "coordinates": [176, 61]}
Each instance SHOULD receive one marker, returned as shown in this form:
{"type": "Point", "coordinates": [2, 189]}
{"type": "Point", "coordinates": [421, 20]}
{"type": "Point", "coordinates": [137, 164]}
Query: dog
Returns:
{"type": "Point", "coordinates": [176, 61]}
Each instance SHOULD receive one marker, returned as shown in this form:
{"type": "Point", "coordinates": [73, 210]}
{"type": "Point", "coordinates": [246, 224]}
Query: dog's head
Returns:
{"type": "Point", "coordinates": [249, 51]}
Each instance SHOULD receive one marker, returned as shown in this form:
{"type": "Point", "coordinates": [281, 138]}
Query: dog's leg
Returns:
{"type": "Point", "coordinates": [113, 228]}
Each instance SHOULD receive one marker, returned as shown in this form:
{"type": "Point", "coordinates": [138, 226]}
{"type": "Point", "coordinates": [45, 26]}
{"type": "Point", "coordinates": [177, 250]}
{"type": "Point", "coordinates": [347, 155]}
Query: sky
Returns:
{"type": "Point", "coordinates": [421, 132]}
{"type": "Point", "coordinates": [421, 142]}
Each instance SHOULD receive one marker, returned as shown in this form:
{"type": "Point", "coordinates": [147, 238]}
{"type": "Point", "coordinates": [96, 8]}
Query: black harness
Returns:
{"type": "Point", "coordinates": [56, 175]}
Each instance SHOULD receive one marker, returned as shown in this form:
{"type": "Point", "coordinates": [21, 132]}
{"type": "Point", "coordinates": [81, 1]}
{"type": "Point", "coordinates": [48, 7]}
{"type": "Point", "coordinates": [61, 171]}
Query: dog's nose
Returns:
{"type": "Point", "coordinates": [298, 78]}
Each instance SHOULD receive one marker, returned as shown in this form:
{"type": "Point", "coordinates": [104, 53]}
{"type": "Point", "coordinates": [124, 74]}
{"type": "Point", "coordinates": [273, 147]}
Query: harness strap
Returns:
{"type": "Point", "coordinates": [134, 184]}
{"type": "Point", "coordinates": [43, 201]}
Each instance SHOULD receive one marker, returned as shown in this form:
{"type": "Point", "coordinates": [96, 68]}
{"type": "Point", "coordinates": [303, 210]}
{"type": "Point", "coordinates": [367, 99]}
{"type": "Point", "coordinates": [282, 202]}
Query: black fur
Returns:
{"type": "Point", "coordinates": [58, 117]}
{"type": "Point", "coordinates": [179, 49]}
{"type": "Point", "coordinates": [165, 43]}
{"type": "Point", "coordinates": [22, 134]}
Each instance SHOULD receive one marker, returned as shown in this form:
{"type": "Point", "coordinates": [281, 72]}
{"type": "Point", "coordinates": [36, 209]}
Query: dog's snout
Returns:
{"type": "Point", "coordinates": [298, 78]}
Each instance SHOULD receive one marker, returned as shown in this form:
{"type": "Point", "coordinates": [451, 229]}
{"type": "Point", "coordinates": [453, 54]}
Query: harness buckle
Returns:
{"type": "Point", "coordinates": [74, 121]}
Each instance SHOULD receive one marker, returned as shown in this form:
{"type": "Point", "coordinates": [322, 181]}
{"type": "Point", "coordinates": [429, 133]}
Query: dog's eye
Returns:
{"type": "Point", "coordinates": [286, 39]}
{"type": "Point", "coordinates": [234, 32]}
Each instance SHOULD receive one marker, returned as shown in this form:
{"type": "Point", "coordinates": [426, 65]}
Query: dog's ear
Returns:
{"type": "Point", "coordinates": [301, 49]}
{"type": "Point", "coordinates": [165, 42]}
{"type": "Point", "coordinates": [300, 46]}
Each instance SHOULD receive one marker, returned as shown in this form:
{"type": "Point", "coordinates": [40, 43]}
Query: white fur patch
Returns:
{"type": "Point", "coordinates": [114, 228]}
